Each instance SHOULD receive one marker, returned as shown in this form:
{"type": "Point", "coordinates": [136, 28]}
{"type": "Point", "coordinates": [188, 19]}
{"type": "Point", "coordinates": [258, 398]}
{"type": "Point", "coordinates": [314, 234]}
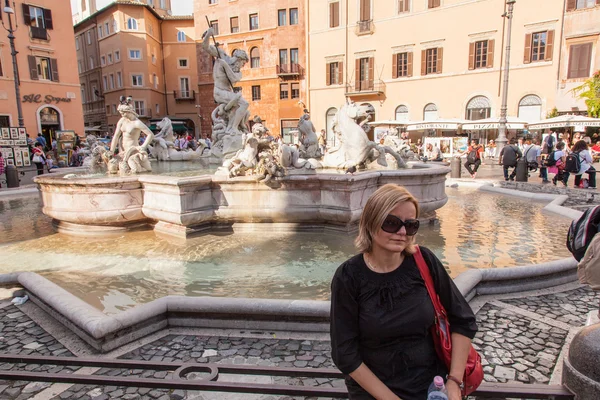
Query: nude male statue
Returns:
{"type": "Point", "coordinates": [226, 73]}
{"type": "Point", "coordinates": [126, 138]}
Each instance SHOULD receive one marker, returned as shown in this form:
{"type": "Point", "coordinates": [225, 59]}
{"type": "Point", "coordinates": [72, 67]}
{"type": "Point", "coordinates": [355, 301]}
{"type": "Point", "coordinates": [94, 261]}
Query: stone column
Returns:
{"type": "Point", "coordinates": [581, 373]}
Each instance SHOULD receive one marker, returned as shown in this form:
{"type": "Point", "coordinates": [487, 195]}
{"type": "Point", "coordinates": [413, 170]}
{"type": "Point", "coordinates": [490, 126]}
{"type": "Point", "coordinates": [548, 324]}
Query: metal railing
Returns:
{"type": "Point", "coordinates": [369, 86]}
{"type": "Point", "coordinates": [39, 33]}
{"type": "Point", "coordinates": [184, 95]}
{"type": "Point", "coordinates": [365, 27]}
{"type": "Point", "coordinates": [290, 69]}
{"type": "Point", "coordinates": [211, 382]}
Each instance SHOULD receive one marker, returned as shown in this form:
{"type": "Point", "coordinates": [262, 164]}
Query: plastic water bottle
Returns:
{"type": "Point", "coordinates": [437, 390]}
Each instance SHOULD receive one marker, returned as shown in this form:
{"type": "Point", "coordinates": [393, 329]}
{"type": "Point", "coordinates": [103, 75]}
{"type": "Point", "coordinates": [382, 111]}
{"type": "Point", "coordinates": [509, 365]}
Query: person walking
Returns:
{"type": "Point", "coordinates": [39, 158]}
{"type": "Point", "coordinates": [381, 312]}
{"type": "Point", "coordinates": [580, 149]}
{"type": "Point", "coordinates": [531, 153]}
{"type": "Point", "coordinates": [508, 159]}
{"type": "Point", "coordinates": [474, 156]}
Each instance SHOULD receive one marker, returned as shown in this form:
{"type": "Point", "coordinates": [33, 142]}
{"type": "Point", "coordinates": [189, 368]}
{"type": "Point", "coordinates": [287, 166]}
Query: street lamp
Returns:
{"type": "Point", "coordinates": [501, 141]}
{"type": "Point", "coordinates": [9, 11]}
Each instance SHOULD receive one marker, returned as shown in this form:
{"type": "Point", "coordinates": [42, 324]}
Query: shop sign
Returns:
{"type": "Point", "coordinates": [48, 99]}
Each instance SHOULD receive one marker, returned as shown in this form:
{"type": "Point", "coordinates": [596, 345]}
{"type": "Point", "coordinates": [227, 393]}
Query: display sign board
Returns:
{"type": "Point", "coordinates": [13, 145]}
{"type": "Point", "coordinates": [66, 144]}
{"type": "Point", "coordinates": [450, 146]}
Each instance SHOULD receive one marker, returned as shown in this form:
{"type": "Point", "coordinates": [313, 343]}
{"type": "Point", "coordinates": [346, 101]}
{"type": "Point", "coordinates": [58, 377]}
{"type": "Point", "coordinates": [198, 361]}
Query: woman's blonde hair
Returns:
{"type": "Point", "coordinates": [378, 207]}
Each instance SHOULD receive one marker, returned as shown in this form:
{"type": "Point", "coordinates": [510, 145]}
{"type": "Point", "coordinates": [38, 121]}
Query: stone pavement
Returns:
{"type": "Point", "coordinates": [522, 338]}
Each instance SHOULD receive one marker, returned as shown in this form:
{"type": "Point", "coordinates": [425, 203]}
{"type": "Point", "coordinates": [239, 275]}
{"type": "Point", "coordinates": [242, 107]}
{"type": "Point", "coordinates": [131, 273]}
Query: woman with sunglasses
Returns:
{"type": "Point", "coordinates": [381, 312]}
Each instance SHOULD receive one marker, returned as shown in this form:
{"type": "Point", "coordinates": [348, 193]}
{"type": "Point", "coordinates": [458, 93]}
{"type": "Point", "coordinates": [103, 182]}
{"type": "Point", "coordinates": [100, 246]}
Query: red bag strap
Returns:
{"type": "Point", "coordinates": [426, 275]}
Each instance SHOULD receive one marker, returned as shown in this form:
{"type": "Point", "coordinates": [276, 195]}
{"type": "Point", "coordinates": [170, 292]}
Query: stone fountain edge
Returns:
{"type": "Point", "coordinates": [107, 332]}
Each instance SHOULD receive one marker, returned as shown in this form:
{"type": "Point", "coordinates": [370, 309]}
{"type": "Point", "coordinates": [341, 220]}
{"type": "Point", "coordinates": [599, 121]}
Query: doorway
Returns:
{"type": "Point", "coordinates": [50, 123]}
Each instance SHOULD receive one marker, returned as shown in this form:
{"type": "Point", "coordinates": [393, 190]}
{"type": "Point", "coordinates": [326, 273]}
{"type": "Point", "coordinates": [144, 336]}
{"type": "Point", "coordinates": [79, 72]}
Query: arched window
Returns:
{"type": "Point", "coordinates": [430, 112]}
{"type": "Point", "coordinates": [254, 58]}
{"type": "Point", "coordinates": [402, 113]}
{"type": "Point", "coordinates": [181, 36]}
{"type": "Point", "coordinates": [479, 107]}
{"type": "Point", "coordinates": [329, 120]}
{"type": "Point", "coordinates": [530, 108]}
{"type": "Point", "coordinates": [132, 24]}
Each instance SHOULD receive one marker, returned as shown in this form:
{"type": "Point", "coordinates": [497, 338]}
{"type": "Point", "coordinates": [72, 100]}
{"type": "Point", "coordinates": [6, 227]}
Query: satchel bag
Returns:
{"type": "Point", "coordinates": [442, 335]}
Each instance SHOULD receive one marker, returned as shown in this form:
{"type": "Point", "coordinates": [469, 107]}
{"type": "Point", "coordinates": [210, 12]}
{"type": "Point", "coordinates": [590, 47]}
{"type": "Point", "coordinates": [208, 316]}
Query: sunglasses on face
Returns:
{"type": "Point", "coordinates": [393, 224]}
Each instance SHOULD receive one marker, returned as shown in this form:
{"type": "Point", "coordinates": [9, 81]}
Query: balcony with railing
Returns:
{"type": "Point", "coordinates": [144, 112]}
{"type": "Point", "coordinates": [39, 33]}
{"type": "Point", "coordinates": [365, 27]}
{"type": "Point", "coordinates": [290, 70]}
{"type": "Point", "coordinates": [369, 87]}
{"type": "Point", "coordinates": [184, 95]}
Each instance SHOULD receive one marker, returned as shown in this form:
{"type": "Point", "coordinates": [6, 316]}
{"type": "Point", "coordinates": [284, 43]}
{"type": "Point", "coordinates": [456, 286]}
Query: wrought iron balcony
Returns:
{"type": "Point", "coordinates": [187, 95]}
{"type": "Point", "coordinates": [365, 27]}
{"type": "Point", "coordinates": [39, 33]}
{"type": "Point", "coordinates": [366, 87]}
{"type": "Point", "coordinates": [290, 70]}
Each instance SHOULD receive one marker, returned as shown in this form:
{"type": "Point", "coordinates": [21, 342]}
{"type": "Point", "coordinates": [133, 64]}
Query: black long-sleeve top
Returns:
{"type": "Point", "coordinates": [384, 320]}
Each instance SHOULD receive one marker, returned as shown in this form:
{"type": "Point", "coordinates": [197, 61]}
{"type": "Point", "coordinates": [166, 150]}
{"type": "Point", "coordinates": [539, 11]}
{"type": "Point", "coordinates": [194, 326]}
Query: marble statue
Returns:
{"type": "Point", "coordinates": [400, 146]}
{"type": "Point", "coordinates": [231, 115]}
{"type": "Point", "coordinates": [163, 146]}
{"type": "Point", "coordinates": [309, 141]}
{"type": "Point", "coordinates": [244, 159]}
{"type": "Point", "coordinates": [125, 154]}
{"type": "Point", "coordinates": [354, 149]}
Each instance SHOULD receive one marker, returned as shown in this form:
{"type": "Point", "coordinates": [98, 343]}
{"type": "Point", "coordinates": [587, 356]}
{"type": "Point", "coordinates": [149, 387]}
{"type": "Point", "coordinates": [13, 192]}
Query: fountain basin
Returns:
{"type": "Point", "coordinates": [183, 206]}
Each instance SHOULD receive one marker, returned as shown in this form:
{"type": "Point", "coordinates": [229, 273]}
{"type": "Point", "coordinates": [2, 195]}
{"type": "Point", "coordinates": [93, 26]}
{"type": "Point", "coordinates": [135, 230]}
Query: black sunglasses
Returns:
{"type": "Point", "coordinates": [393, 224]}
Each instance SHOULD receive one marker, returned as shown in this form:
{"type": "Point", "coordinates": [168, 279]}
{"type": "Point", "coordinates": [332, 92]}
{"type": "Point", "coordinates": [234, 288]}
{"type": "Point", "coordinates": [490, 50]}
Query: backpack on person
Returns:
{"type": "Point", "coordinates": [582, 231]}
{"type": "Point", "coordinates": [472, 156]}
{"type": "Point", "coordinates": [573, 163]}
{"type": "Point", "coordinates": [550, 160]}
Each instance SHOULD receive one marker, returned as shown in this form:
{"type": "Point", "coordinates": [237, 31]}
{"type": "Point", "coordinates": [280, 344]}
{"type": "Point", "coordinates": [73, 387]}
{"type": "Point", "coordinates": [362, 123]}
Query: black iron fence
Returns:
{"type": "Point", "coordinates": [210, 380]}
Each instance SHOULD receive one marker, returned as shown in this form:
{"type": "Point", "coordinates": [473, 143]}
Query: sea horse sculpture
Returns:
{"type": "Point", "coordinates": [354, 149]}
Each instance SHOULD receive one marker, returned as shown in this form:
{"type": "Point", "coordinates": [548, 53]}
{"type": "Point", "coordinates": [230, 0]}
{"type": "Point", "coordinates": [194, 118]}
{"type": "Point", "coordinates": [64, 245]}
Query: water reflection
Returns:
{"type": "Point", "coordinates": [474, 230]}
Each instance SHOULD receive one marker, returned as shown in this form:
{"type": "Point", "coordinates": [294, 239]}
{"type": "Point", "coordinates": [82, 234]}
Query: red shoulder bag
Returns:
{"type": "Point", "coordinates": [442, 336]}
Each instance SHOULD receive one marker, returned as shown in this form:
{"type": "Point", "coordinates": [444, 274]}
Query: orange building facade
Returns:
{"type": "Point", "coordinates": [273, 34]}
{"type": "Point", "coordinates": [142, 54]}
{"type": "Point", "coordinates": [47, 67]}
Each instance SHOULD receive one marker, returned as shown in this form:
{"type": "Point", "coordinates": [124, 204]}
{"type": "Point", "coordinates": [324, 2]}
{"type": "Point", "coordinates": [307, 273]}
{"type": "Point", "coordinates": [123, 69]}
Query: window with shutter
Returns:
{"type": "Point", "coordinates": [234, 24]}
{"type": "Point", "coordinates": [440, 60]}
{"type": "Point", "coordinates": [433, 3]}
{"type": "Point", "coordinates": [357, 75]}
{"type": "Point", "coordinates": [539, 46]}
{"type": "Point", "coordinates": [580, 59]}
{"type": "Point", "coordinates": [479, 54]}
{"type": "Point", "coordinates": [334, 14]}
{"type": "Point", "coordinates": [365, 10]}
{"type": "Point", "coordinates": [33, 74]}
{"type": "Point", "coordinates": [283, 91]}
{"type": "Point", "coordinates": [527, 55]}
{"type": "Point", "coordinates": [400, 65]}
{"type": "Point", "coordinates": [340, 73]}
{"type": "Point", "coordinates": [490, 54]}
{"type": "Point", "coordinates": [432, 59]}
{"type": "Point", "coordinates": [328, 74]}
{"type": "Point", "coordinates": [403, 6]}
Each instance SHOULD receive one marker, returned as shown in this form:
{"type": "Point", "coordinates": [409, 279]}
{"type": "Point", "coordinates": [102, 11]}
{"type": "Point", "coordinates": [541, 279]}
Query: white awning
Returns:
{"type": "Point", "coordinates": [450, 124]}
{"type": "Point", "coordinates": [494, 123]}
{"type": "Point", "coordinates": [389, 122]}
{"type": "Point", "coordinates": [566, 121]}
